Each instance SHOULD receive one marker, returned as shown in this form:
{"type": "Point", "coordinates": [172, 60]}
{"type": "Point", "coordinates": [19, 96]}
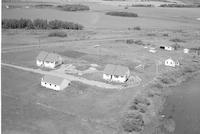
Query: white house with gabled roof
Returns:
{"type": "Point", "coordinates": [116, 73]}
{"type": "Point", "coordinates": [40, 58]}
{"type": "Point", "coordinates": [53, 60]}
{"type": "Point", "coordinates": [55, 83]}
{"type": "Point", "coordinates": [48, 60]}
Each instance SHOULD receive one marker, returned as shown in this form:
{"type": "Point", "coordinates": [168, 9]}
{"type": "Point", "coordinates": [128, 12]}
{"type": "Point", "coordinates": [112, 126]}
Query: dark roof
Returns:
{"type": "Point", "coordinates": [53, 79]}
{"type": "Point", "coordinates": [51, 57]}
{"type": "Point", "coordinates": [42, 55]}
{"type": "Point", "coordinates": [115, 69]}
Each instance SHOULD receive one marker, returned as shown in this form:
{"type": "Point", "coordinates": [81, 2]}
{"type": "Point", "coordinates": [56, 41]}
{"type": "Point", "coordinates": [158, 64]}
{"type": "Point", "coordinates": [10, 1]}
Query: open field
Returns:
{"type": "Point", "coordinates": [83, 108]}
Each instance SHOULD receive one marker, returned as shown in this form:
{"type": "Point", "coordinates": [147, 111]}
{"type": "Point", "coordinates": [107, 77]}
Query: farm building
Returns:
{"type": "Point", "coordinates": [53, 60]}
{"type": "Point", "coordinates": [48, 60]}
{"type": "Point", "coordinates": [116, 73]}
{"type": "Point", "coordinates": [55, 83]}
{"type": "Point", "coordinates": [40, 58]}
{"type": "Point", "coordinates": [168, 48]}
{"type": "Point", "coordinates": [172, 63]}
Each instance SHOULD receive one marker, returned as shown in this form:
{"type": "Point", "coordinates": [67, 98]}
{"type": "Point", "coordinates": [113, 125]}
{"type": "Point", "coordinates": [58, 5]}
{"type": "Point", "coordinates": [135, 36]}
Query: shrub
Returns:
{"type": "Point", "coordinates": [137, 28]}
{"type": "Point", "coordinates": [57, 34]}
{"type": "Point", "coordinates": [177, 40]}
{"type": "Point", "coordinates": [132, 122]}
{"type": "Point", "coordinates": [43, 6]}
{"type": "Point", "coordinates": [165, 34]}
{"type": "Point", "coordinates": [73, 7]}
{"type": "Point", "coordinates": [180, 5]}
{"type": "Point", "coordinates": [122, 14]}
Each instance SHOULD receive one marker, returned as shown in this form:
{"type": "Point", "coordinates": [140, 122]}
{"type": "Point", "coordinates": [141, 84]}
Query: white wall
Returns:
{"type": "Point", "coordinates": [39, 62]}
{"type": "Point", "coordinates": [120, 79]}
{"type": "Point", "coordinates": [170, 62]}
{"type": "Point", "coordinates": [49, 65]}
{"type": "Point", "coordinates": [106, 77]}
{"type": "Point", "coordinates": [52, 86]}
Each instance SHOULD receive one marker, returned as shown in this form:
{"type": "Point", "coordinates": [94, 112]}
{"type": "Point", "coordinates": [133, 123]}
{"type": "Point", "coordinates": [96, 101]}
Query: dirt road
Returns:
{"type": "Point", "coordinates": [66, 76]}
{"type": "Point", "coordinates": [54, 44]}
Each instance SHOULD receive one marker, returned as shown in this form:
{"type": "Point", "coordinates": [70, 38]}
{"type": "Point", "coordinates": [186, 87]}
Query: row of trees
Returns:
{"type": "Point", "coordinates": [39, 24]}
{"type": "Point", "coordinates": [122, 14]}
{"type": "Point", "coordinates": [73, 7]}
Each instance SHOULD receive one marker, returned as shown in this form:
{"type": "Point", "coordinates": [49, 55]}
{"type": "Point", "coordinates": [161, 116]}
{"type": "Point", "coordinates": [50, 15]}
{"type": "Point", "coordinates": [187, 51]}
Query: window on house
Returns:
{"type": "Point", "coordinates": [50, 84]}
{"type": "Point", "coordinates": [45, 83]}
{"type": "Point", "coordinates": [116, 76]}
{"type": "Point", "coordinates": [55, 85]}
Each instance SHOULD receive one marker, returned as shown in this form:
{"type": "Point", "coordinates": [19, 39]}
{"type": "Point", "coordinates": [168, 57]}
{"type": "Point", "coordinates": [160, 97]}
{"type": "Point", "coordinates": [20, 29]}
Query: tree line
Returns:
{"type": "Point", "coordinates": [39, 24]}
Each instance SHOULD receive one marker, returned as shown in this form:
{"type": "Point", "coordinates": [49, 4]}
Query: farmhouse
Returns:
{"type": "Point", "coordinates": [172, 63]}
{"type": "Point", "coordinates": [53, 60]}
{"type": "Point", "coordinates": [48, 60]}
{"type": "Point", "coordinates": [168, 48]}
{"type": "Point", "coordinates": [40, 58]}
{"type": "Point", "coordinates": [55, 83]}
{"type": "Point", "coordinates": [116, 73]}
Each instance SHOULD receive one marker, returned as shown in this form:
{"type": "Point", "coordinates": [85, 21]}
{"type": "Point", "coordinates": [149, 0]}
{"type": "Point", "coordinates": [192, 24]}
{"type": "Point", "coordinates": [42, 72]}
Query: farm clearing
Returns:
{"type": "Point", "coordinates": [84, 108]}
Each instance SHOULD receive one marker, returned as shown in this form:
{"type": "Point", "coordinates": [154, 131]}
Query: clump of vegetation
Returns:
{"type": "Point", "coordinates": [122, 14]}
{"type": "Point", "coordinates": [180, 5]}
{"type": "Point", "coordinates": [57, 34]}
{"type": "Point", "coordinates": [39, 24]}
{"type": "Point", "coordinates": [73, 7]}
{"type": "Point", "coordinates": [151, 34]}
{"type": "Point", "coordinates": [135, 28]}
{"type": "Point", "coordinates": [142, 5]}
{"type": "Point", "coordinates": [165, 34]}
{"type": "Point", "coordinates": [132, 122]}
{"type": "Point", "coordinates": [138, 42]}
{"type": "Point", "coordinates": [177, 40]}
{"type": "Point", "coordinates": [176, 46]}
{"type": "Point", "coordinates": [43, 6]}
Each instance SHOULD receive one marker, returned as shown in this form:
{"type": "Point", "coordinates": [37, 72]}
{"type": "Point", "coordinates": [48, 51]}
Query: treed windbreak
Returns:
{"type": "Point", "coordinates": [39, 24]}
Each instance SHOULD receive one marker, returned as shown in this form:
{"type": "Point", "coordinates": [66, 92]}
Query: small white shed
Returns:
{"type": "Point", "coordinates": [55, 83]}
{"type": "Point", "coordinates": [172, 63]}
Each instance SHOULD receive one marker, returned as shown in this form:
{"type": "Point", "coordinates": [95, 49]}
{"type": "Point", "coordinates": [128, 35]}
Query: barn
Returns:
{"type": "Point", "coordinates": [116, 73]}
{"type": "Point", "coordinates": [55, 83]}
{"type": "Point", "coordinates": [172, 63]}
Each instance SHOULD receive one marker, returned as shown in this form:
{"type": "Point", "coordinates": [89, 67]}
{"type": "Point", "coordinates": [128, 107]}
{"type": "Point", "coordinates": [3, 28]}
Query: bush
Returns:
{"type": "Point", "coordinates": [177, 40]}
{"type": "Point", "coordinates": [180, 5]}
{"type": "Point", "coordinates": [122, 14]}
{"type": "Point", "coordinates": [73, 7]}
{"type": "Point", "coordinates": [132, 122]}
{"type": "Point", "coordinates": [39, 24]}
{"type": "Point", "coordinates": [57, 34]}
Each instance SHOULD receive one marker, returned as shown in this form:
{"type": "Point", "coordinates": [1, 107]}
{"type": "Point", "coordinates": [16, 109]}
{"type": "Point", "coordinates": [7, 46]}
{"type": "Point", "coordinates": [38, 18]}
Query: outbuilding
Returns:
{"type": "Point", "coordinates": [172, 63]}
{"type": "Point", "coordinates": [168, 48]}
{"type": "Point", "coordinates": [55, 83]}
{"type": "Point", "coordinates": [116, 73]}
